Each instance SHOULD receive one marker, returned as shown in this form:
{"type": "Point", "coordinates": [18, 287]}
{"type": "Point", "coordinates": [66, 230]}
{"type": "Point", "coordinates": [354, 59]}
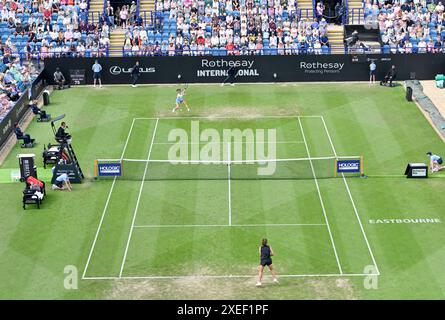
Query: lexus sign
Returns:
{"type": "Point", "coordinates": [116, 70]}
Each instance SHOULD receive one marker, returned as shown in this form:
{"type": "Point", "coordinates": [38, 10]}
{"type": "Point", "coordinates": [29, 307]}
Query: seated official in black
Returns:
{"type": "Point", "coordinates": [36, 110]}
{"type": "Point", "coordinates": [21, 135]}
{"type": "Point", "coordinates": [61, 133]}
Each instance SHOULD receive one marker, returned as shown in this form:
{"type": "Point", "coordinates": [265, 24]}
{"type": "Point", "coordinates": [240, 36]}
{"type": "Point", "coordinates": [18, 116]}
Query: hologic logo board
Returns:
{"type": "Point", "coordinates": [109, 169]}
{"type": "Point", "coordinates": [348, 166]}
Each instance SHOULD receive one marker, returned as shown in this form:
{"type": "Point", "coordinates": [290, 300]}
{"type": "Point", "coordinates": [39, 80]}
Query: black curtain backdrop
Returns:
{"type": "Point", "coordinates": [213, 69]}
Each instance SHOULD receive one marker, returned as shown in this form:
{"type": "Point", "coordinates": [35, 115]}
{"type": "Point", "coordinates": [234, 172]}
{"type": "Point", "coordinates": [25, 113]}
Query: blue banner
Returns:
{"type": "Point", "coordinates": [109, 169]}
{"type": "Point", "coordinates": [348, 165]}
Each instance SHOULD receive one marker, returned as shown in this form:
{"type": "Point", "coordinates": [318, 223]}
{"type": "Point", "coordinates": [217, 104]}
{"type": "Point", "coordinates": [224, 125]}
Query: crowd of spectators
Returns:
{"type": "Point", "coordinates": [57, 28]}
{"type": "Point", "coordinates": [14, 79]}
{"type": "Point", "coordinates": [410, 26]}
{"type": "Point", "coordinates": [227, 27]}
{"type": "Point", "coordinates": [46, 28]}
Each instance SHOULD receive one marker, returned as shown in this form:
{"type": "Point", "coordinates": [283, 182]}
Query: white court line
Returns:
{"type": "Point", "coordinates": [106, 205]}
{"type": "Point", "coordinates": [230, 225]}
{"type": "Point", "coordinates": [217, 143]}
{"type": "Point", "coordinates": [321, 199]}
{"type": "Point", "coordinates": [229, 183]}
{"type": "Point", "coordinates": [227, 117]}
{"type": "Point", "coordinates": [138, 200]}
{"type": "Point", "coordinates": [230, 276]}
{"type": "Point", "coordinates": [352, 200]}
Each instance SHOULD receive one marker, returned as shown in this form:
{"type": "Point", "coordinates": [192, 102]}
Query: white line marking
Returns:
{"type": "Point", "coordinates": [229, 276]}
{"type": "Point", "coordinates": [106, 206]}
{"type": "Point", "coordinates": [138, 200]}
{"type": "Point", "coordinates": [217, 143]}
{"type": "Point", "coordinates": [319, 196]}
{"type": "Point", "coordinates": [352, 200]}
{"type": "Point", "coordinates": [229, 182]}
{"type": "Point", "coordinates": [226, 117]}
{"type": "Point", "coordinates": [231, 225]}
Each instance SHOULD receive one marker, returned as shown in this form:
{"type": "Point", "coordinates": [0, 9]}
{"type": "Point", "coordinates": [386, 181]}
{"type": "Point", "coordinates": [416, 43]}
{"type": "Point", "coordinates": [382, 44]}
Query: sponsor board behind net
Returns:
{"type": "Point", "coordinates": [109, 169]}
{"type": "Point", "coordinates": [348, 165]}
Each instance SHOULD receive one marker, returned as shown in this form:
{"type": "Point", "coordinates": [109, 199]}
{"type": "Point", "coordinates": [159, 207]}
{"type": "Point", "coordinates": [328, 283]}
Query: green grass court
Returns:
{"type": "Point", "coordinates": [158, 235]}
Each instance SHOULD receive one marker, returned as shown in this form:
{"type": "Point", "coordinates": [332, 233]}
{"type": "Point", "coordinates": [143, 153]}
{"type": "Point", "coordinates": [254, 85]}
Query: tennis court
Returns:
{"type": "Point", "coordinates": [203, 220]}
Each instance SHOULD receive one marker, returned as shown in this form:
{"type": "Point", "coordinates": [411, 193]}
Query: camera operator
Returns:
{"type": "Point", "coordinates": [390, 76]}
{"type": "Point", "coordinates": [352, 40]}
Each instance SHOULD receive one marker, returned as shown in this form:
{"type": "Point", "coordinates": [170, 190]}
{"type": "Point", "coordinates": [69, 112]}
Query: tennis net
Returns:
{"type": "Point", "coordinates": [271, 169]}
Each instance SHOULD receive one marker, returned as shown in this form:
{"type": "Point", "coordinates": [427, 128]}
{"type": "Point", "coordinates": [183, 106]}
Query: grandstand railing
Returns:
{"type": "Point", "coordinates": [314, 8]}
{"type": "Point", "coordinates": [119, 51]}
{"type": "Point", "coordinates": [88, 10]}
{"type": "Point", "coordinates": [145, 14]}
{"type": "Point", "coordinates": [305, 13]}
{"type": "Point", "coordinates": [224, 52]}
{"type": "Point", "coordinates": [94, 17]}
{"type": "Point", "coordinates": [138, 8]}
{"type": "Point", "coordinates": [358, 16]}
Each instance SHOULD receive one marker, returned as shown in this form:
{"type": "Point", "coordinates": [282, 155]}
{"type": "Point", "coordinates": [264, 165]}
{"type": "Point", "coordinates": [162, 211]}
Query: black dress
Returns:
{"type": "Point", "coordinates": [266, 260]}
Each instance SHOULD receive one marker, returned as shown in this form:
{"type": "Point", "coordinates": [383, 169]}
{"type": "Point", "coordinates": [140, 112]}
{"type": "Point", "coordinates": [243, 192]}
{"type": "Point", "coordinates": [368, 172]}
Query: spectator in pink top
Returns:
{"type": "Point", "coordinates": [124, 16]}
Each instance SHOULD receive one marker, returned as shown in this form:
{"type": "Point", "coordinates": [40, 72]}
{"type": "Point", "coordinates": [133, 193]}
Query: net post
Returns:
{"type": "Point", "coordinates": [95, 168]}
{"type": "Point", "coordinates": [362, 167]}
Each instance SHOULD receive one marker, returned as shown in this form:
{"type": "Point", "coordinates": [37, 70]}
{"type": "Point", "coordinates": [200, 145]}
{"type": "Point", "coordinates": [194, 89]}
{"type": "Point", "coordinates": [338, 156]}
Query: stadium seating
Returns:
{"type": "Point", "coordinates": [66, 30]}
{"type": "Point", "coordinates": [198, 27]}
{"type": "Point", "coordinates": [227, 28]}
{"type": "Point", "coordinates": [409, 27]}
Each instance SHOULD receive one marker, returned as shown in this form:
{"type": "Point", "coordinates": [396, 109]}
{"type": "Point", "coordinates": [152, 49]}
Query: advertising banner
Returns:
{"type": "Point", "coordinates": [281, 68]}
{"type": "Point", "coordinates": [109, 169]}
{"type": "Point", "coordinates": [348, 166]}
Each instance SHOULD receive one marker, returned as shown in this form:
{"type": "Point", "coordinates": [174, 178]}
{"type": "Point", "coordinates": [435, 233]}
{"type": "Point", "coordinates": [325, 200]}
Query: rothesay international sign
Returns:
{"type": "Point", "coordinates": [279, 68]}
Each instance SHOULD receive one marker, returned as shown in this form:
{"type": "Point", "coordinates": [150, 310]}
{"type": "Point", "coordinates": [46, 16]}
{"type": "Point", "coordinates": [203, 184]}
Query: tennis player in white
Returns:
{"type": "Point", "coordinates": [180, 93]}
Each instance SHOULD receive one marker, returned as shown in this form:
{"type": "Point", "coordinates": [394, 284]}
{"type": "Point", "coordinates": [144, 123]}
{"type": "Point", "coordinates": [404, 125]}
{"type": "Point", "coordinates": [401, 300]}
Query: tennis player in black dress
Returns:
{"type": "Point", "coordinates": [266, 253]}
